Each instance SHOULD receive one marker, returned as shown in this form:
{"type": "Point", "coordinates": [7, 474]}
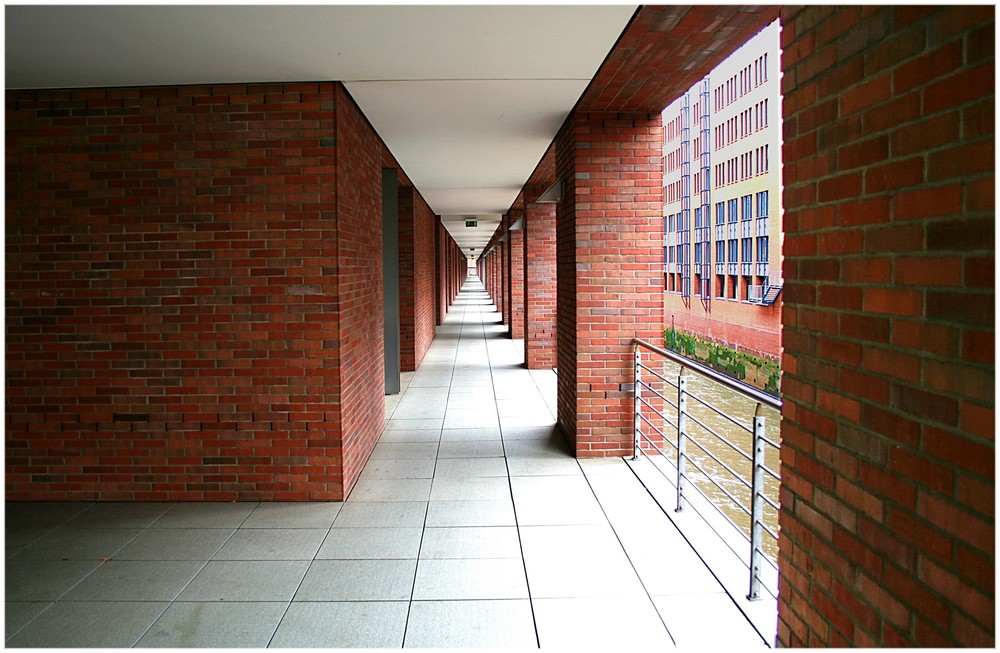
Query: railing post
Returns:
{"type": "Point", "coordinates": [637, 433]}
{"type": "Point", "coordinates": [681, 437]}
{"type": "Point", "coordinates": [757, 504]}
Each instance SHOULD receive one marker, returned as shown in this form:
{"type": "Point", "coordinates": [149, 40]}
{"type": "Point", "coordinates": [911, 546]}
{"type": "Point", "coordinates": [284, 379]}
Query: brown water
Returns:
{"type": "Point", "coordinates": [702, 390]}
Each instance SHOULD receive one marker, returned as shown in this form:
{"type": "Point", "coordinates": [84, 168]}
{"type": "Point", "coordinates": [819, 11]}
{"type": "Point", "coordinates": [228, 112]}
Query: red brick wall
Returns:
{"type": "Point", "coordinates": [540, 286]}
{"type": "Point", "coordinates": [417, 226]}
{"type": "Point", "coordinates": [887, 521]}
{"type": "Point", "coordinates": [172, 278]}
{"type": "Point", "coordinates": [515, 278]}
{"type": "Point", "coordinates": [747, 327]}
{"type": "Point", "coordinates": [359, 279]}
{"type": "Point", "coordinates": [609, 270]}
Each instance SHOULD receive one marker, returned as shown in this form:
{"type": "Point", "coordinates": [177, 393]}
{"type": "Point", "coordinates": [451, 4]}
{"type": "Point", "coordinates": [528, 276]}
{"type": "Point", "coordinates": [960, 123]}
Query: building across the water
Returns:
{"type": "Point", "coordinates": [722, 203]}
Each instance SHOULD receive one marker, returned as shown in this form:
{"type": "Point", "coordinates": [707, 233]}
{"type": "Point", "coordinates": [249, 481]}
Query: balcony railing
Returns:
{"type": "Point", "coordinates": [725, 458]}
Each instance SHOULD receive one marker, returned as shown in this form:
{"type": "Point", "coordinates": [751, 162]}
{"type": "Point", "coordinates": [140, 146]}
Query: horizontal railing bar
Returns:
{"type": "Point", "coordinates": [711, 480]}
{"type": "Point", "coordinates": [721, 437]}
{"type": "Point", "coordinates": [724, 465]}
{"type": "Point", "coordinates": [656, 392]}
{"type": "Point", "coordinates": [653, 426]}
{"type": "Point", "coordinates": [771, 473]}
{"type": "Point", "coordinates": [769, 531]}
{"type": "Point", "coordinates": [718, 412]}
{"type": "Point", "coordinates": [653, 444]}
{"type": "Point", "coordinates": [659, 376]}
{"type": "Point", "coordinates": [765, 439]}
{"type": "Point", "coordinates": [770, 502]}
{"type": "Point", "coordinates": [731, 383]}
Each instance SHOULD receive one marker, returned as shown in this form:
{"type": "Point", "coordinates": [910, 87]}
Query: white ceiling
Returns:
{"type": "Point", "coordinates": [467, 98]}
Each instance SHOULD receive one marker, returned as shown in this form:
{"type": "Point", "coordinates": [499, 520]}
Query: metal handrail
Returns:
{"type": "Point", "coordinates": [756, 431]}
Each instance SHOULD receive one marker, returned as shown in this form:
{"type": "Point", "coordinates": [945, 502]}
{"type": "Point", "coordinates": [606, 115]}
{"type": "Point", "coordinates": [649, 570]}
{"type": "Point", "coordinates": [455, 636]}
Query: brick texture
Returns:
{"type": "Point", "coordinates": [172, 286]}
{"type": "Point", "coordinates": [540, 286]}
{"type": "Point", "coordinates": [417, 226]}
{"type": "Point", "coordinates": [609, 271]}
{"type": "Point", "coordinates": [887, 517]}
{"type": "Point", "coordinates": [515, 276]}
{"type": "Point", "coordinates": [194, 308]}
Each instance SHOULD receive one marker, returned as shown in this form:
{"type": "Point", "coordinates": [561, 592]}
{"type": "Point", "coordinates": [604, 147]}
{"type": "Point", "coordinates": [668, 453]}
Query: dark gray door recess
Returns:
{"type": "Point", "coordinates": [390, 276]}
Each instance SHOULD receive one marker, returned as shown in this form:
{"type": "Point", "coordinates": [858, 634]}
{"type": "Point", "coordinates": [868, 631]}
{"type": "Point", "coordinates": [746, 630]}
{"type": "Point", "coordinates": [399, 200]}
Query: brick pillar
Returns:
{"type": "Point", "coordinates": [888, 434]}
{"type": "Point", "coordinates": [540, 286]}
{"type": "Point", "coordinates": [515, 276]}
{"type": "Point", "coordinates": [609, 258]}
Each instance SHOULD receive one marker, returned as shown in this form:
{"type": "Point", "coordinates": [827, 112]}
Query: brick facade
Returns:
{"type": "Point", "coordinates": [515, 276]}
{"type": "Point", "coordinates": [609, 270]}
{"type": "Point", "coordinates": [417, 259]}
{"type": "Point", "coordinates": [194, 308]}
{"type": "Point", "coordinates": [540, 286]}
{"type": "Point", "coordinates": [887, 520]}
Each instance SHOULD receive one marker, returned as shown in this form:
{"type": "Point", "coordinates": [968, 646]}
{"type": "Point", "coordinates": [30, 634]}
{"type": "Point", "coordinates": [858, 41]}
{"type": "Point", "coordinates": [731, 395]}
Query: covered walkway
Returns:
{"type": "Point", "coordinates": [470, 526]}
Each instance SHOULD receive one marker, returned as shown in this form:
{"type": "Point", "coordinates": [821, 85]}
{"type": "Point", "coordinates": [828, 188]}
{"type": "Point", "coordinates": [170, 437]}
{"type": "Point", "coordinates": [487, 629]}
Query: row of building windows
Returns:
{"type": "Point", "coordinates": [734, 287]}
{"type": "Point", "coordinates": [746, 123]}
{"type": "Point", "coordinates": [750, 77]}
{"type": "Point", "coordinates": [672, 160]}
{"type": "Point", "coordinates": [672, 129]}
{"type": "Point", "coordinates": [735, 209]}
{"type": "Point", "coordinates": [745, 166]}
{"type": "Point", "coordinates": [672, 192]}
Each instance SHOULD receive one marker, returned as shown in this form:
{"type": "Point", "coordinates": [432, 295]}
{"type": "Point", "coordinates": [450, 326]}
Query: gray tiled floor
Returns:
{"type": "Point", "coordinates": [470, 526]}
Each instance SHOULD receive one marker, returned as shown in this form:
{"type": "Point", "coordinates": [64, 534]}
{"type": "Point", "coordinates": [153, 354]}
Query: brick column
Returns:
{"type": "Point", "coordinates": [888, 434]}
{"type": "Point", "coordinates": [539, 255]}
{"type": "Point", "coordinates": [515, 276]}
{"type": "Point", "coordinates": [609, 256]}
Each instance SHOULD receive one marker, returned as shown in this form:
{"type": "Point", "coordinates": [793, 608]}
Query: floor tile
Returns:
{"type": "Point", "coordinates": [368, 514]}
{"type": "Point", "coordinates": [176, 544]}
{"type": "Point", "coordinates": [136, 580]}
{"type": "Point", "coordinates": [471, 449]}
{"type": "Point", "coordinates": [470, 467]}
{"type": "Point", "coordinates": [17, 614]}
{"type": "Point", "coordinates": [470, 418]}
{"type": "Point", "coordinates": [104, 624]}
{"type": "Point", "coordinates": [555, 500]}
{"type": "Point", "coordinates": [406, 468]}
{"type": "Point", "coordinates": [391, 489]}
{"type": "Point", "coordinates": [410, 435]}
{"type": "Point", "coordinates": [471, 624]}
{"type": "Point", "coordinates": [621, 623]}
{"type": "Point", "coordinates": [450, 579]}
{"type": "Point", "coordinates": [67, 543]}
{"type": "Point", "coordinates": [495, 488]}
{"type": "Point", "coordinates": [272, 544]}
{"type": "Point", "coordinates": [371, 543]}
{"type": "Point", "coordinates": [243, 580]}
{"type": "Point", "coordinates": [534, 466]}
{"type": "Point", "coordinates": [471, 542]}
{"type": "Point", "coordinates": [41, 514]}
{"type": "Point", "coordinates": [402, 450]}
{"type": "Point", "coordinates": [471, 433]}
{"type": "Point", "coordinates": [44, 580]}
{"type": "Point", "coordinates": [470, 513]}
{"type": "Point", "coordinates": [205, 515]}
{"type": "Point", "coordinates": [692, 621]}
{"type": "Point", "coordinates": [360, 624]}
{"type": "Point", "coordinates": [409, 424]}
{"type": "Point", "coordinates": [358, 580]}
{"type": "Point", "coordinates": [215, 625]}
{"type": "Point", "coordinates": [119, 515]}
{"type": "Point", "coordinates": [297, 514]}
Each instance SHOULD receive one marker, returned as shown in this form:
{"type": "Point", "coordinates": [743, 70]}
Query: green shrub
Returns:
{"type": "Point", "coordinates": [731, 362]}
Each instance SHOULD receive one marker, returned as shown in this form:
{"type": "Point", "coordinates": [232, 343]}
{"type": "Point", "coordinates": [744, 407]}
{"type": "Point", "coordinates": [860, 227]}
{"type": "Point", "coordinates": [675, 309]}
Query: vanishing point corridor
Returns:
{"type": "Point", "coordinates": [471, 526]}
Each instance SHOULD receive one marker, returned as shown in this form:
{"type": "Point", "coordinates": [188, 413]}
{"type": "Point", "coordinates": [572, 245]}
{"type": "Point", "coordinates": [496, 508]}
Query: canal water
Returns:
{"type": "Point", "coordinates": [715, 410]}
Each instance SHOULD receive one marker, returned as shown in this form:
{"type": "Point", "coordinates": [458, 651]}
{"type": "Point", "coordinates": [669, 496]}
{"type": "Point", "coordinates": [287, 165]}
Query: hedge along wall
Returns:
{"type": "Point", "coordinates": [887, 521]}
